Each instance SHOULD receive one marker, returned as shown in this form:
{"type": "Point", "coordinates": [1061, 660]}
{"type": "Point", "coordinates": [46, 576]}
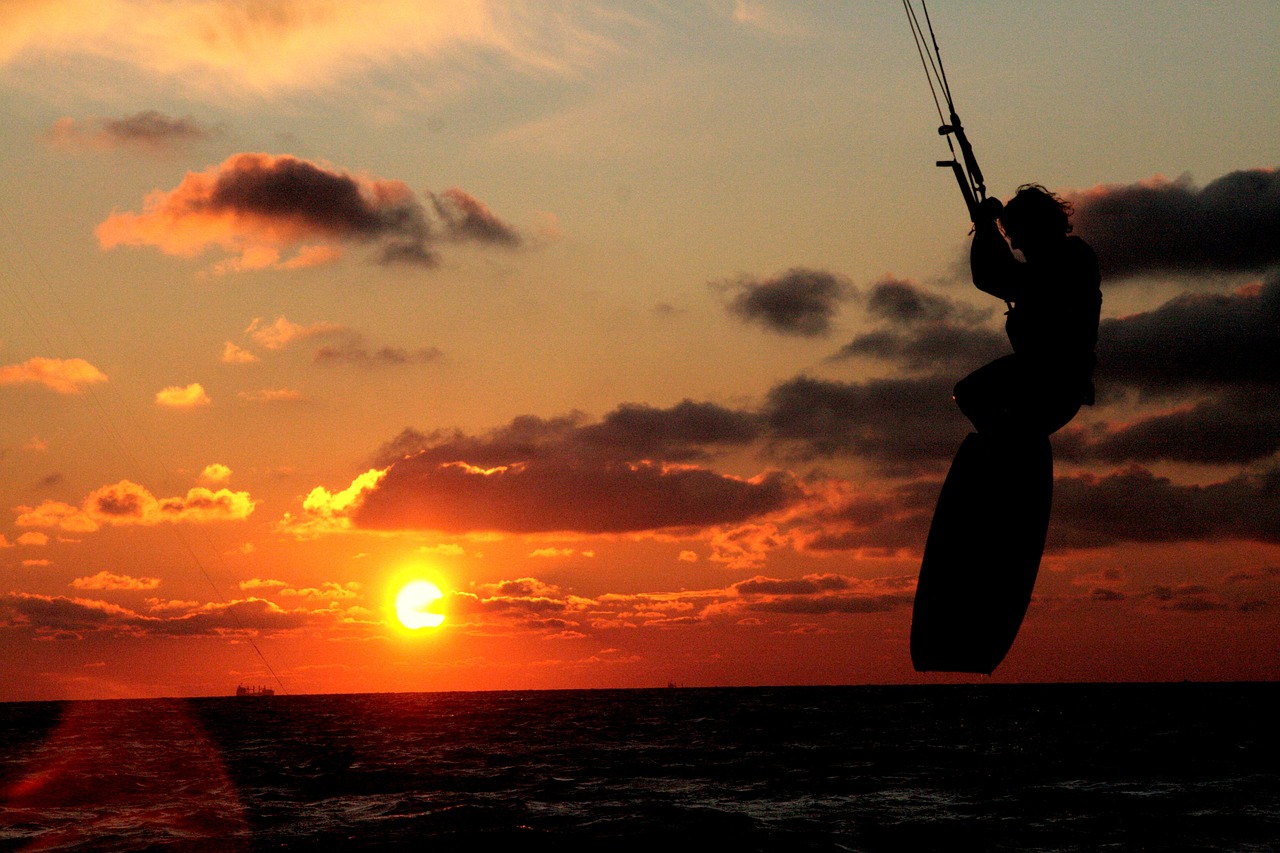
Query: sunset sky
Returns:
{"type": "Point", "coordinates": [631, 326]}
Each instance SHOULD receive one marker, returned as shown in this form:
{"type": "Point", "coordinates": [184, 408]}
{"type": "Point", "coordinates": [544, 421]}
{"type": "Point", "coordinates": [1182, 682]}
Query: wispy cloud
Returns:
{"type": "Point", "coordinates": [214, 47]}
{"type": "Point", "coordinates": [149, 131]}
{"type": "Point", "coordinates": [283, 331]}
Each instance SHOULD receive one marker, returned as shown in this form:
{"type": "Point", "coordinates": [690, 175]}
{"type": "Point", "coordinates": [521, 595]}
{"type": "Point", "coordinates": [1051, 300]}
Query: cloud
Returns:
{"type": "Point", "coordinates": [356, 353]}
{"type": "Point", "coordinates": [183, 397]}
{"type": "Point", "coordinates": [1213, 356]}
{"type": "Point", "coordinates": [1135, 505]}
{"type": "Point", "coordinates": [215, 473]}
{"type": "Point", "coordinates": [683, 432]}
{"type": "Point", "coordinates": [33, 538]}
{"type": "Point", "coordinates": [901, 424]}
{"type": "Point", "coordinates": [64, 375]}
{"type": "Point", "coordinates": [283, 331]}
{"type": "Point", "coordinates": [76, 617]}
{"type": "Point", "coordinates": [284, 212]}
{"type": "Point", "coordinates": [272, 395]}
{"type": "Point", "coordinates": [210, 48]}
{"type": "Point", "coordinates": [633, 432]}
{"type": "Point", "coordinates": [924, 331]}
{"type": "Point", "coordinates": [419, 493]}
{"type": "Point", "coordinates": [1233, 427]}
{"type": "Point", "coordinates": [109, 581]}
{"type": "Point", "coordinates": [232, 354]}
{"type": "Point", "coordinates": [819, 594]}
{"type": "Point", "coordinates": [797, 302]}
{"type": "Point", "coordinates": [1163, 226]}
{"type": "Point", "coordinates": [150, 131]}
{"type": "Point", "coordinates": [328, 591]}
{"type": "Point", "coordinates": [469, 219]}
{"type": "Point", "coordinates": [126, 503]}
{"type": "Point", "coordinates": [559, 474]}
{"type": "Point", "coordinates": [1196, 341]}
{"type": "Point", "coordinates": [261, 583]}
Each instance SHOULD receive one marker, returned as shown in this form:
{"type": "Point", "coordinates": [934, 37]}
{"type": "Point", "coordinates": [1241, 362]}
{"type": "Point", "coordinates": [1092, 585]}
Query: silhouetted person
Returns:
{"type": "Point", "coordinates": [1054, 304]}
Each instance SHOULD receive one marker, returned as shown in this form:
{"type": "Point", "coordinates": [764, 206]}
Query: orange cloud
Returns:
{"type": "Point", "coordinates": [232, 354]}
{"type": "Point", "coordinates": [183, 397]}
{"type": "Point", "coordinates": [125, 503]}
{"type": "Point", "coordinates": [213, 47]}
{"type": "Point", "coordinates": [272, 395]}
{"type": "Point", "coordinates": [283, 331]}
{"type": "Point", "coordinates": [215, 473]}
{"type": "Point", "coordinates": [64, 375]}
{"type": "Point", "coordinates": [329, 512]}
{"type": "Point", "coordinates": [110, 581]}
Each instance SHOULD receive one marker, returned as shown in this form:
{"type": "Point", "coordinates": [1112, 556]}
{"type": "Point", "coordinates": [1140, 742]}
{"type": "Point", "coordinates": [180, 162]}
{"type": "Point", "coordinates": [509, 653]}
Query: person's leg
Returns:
{"type": "Point", "coordinates": [1009, 398]}
{"type": "Point", "coordinates": [984, 395]}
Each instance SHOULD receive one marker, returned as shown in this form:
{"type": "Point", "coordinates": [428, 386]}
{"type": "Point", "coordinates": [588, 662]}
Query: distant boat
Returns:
{"type": "Point", "coordinates": [254, 691]}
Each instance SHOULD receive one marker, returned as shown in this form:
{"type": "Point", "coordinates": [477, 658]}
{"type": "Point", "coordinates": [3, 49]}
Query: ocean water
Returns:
{"type": "Point", "coordinates": [992, 767]}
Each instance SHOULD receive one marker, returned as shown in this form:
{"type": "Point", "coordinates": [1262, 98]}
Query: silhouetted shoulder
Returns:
{"type": "Point", "coordinates": [1079, 253]}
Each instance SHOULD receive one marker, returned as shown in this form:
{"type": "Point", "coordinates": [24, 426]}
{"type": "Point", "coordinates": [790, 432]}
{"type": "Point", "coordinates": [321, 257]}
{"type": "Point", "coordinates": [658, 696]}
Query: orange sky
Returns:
{"type": "Point", "coordinates": [631, 326]}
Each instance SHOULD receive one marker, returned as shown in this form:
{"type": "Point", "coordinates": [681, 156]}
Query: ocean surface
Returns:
{"type": "Point", "coordinates": [915, 768]}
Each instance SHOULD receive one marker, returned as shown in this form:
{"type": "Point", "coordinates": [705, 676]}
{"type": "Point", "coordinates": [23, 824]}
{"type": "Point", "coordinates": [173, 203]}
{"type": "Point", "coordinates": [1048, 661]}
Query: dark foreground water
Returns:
{"type": "Point", "coordinates": [1063, 767]}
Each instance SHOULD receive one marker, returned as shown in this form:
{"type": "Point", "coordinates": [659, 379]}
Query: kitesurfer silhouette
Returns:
{"type": "Point", "coordinates": [1054, 303]}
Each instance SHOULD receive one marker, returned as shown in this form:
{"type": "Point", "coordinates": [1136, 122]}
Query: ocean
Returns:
{"type": "Point", "coordinates": [1127, 767]}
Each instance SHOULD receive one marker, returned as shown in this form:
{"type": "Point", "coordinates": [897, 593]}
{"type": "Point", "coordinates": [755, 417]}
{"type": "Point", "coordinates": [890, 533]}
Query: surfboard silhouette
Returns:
{"type": "Point", "coordinates": [982, 554]}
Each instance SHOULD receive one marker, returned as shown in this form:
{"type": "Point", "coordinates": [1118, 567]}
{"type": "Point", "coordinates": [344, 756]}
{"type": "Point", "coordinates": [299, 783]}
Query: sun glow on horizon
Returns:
{"type": "Point", "coordinates": [413, 604]}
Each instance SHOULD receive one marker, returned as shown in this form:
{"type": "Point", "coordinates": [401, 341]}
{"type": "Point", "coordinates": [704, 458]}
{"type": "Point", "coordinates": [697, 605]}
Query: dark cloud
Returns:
{"type": "Point", "coordinates": [1215, 356]}
{"type": "Point", "coordinates": [54, 614]}
{"type": "Point", "coordinates": [261, 206]}
{"type": "Point", "coordinates": [467, 218]}
{"type": "Point", "coordinates": [798, 302]}
{"type": "Point", "coordinates": [902, 424]}
{"type": "Point", "coordinates": [816, 595]}
{"type": "Point", "coordinates": [1162, 226]}
{"type": "Point", "coordinates": [884, 523]}
{"type": "Point", "coordinates": [680, 433]}
{"type": "Point", "coordinates": [357, 353]}
{"type": "Point", "coordinates": [1235, 427]}
{"type": "Point", "coordinates": [320, 199]}
{"type": "Point", "coordinates": [630, 471]}
{"type": "Point", "coordinates": [925, 331]}
{"type": "Point", "coordinates": [632, 432]}
{"type": "Point", "coordinates": [906, 304]}
{"type": "Point", "coordinates": [527, 497]}
{"type": "Point", "coordinates": [1135, 505]}
{"type": "Point", "coordinates": [149, 130]}
{"type": "Point", "coordinates": [1196, 341]}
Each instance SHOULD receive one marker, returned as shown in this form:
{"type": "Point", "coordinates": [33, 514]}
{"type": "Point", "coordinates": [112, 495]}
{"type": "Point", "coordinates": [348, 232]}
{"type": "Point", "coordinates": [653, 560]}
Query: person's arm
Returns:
{"type": "Point", "coordinates": [995, 270]}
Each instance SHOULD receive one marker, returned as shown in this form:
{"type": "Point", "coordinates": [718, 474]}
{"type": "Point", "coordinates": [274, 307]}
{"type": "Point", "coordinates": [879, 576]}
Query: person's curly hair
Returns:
{"type": "Point", "coordinates": [1034, 204]}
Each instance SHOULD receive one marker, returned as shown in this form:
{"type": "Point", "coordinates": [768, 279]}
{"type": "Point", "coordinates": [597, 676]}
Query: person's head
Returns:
{"type": "Point", "coordinates": [1034, 218]}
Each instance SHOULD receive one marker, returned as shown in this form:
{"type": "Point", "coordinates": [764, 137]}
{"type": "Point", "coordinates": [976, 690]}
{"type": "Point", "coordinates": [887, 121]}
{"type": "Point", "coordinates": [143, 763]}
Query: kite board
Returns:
{"type": "Point", "coordinates": [982, 554]}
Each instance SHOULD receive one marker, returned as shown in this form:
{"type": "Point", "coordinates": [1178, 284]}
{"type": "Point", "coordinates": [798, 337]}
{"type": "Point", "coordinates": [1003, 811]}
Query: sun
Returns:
{"type": "Point", "coordinates": [412, 603]}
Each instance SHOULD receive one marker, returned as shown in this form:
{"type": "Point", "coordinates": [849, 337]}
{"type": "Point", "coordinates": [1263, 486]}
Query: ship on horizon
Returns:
{"type": "Point", "coordinates": [252, 690]}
